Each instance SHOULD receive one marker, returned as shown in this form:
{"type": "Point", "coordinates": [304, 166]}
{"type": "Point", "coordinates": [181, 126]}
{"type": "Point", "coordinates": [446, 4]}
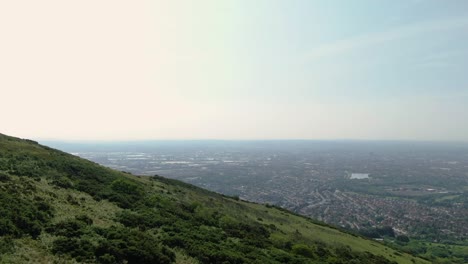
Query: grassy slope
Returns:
{"type": "Point", "coordinates": [290, 226]}
{"type": "Point", "coordinates": [68, 203]}
{"type": "Point", "coordinates": [28, 250]}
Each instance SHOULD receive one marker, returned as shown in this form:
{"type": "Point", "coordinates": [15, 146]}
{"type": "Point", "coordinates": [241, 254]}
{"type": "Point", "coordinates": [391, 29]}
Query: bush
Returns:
{"type": "Point", "coordinates": [22, 216]}
{"type": "Point", "coordinates": [69, 228]}
{"type": "Point", "coordinates": [80, 249]}
{"type": "Point", "coordinates": [4, 177]}
{"type": "Point", "coordinates": [403, 239]}
{"type": "Point", "coordinates": [62, 182]}
{"type": "Point", "coordinates": [303, 250]}
{"type": "Point", "coordinates": [124, 192]}
{"type": "Point", "coordinates": [6, 245]}
{"type": "Point", "coordinates": [123, 245]}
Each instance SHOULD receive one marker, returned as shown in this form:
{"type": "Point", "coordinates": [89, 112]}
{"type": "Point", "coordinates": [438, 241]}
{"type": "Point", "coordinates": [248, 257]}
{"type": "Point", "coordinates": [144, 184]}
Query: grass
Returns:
{"type": "Point", "coordinates": [70, 203]}
{"type": "Point", "coordinates": [448, 197]}
{"type": "Point", "coordinates": [289, 226]}
{"type": "Point", "coordinates": [436, 252]}
{"type": "Point", "coordinates": [28, 250]}
{"type": "Point", "coordinates": [43, 167]}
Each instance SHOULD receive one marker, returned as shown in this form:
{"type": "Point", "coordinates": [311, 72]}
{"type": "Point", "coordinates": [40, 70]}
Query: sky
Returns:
{"type": "Point", "coordinates": [210, 69]}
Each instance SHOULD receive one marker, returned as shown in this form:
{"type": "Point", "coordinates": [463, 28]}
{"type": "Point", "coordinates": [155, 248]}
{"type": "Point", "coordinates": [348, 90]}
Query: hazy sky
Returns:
{"type": "Point", "coordinates": [94, 69]}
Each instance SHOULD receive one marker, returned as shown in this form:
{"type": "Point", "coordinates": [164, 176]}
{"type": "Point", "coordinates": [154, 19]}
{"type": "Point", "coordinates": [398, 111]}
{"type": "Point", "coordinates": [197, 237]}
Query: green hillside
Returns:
{"type": "Point", "coordinates": [58, 208]}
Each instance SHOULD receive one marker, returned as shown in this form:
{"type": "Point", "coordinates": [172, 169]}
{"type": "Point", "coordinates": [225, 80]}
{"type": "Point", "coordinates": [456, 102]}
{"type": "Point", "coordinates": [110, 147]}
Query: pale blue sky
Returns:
{"type": "Point", "coordinates": [358, 50]}
{"type": "Point", "coordinates": [210, 69]}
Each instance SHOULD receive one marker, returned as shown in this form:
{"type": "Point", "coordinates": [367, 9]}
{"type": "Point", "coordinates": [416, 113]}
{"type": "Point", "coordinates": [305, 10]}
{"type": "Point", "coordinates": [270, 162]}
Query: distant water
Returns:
{"type": "Point", "coordinates": [359, 176]}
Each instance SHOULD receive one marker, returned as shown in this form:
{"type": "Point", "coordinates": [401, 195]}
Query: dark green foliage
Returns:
{"type": "Point", "coordinates": [145, 219]}
{"type": "Point", "coordinates": [71, 240]}
{"type": "Point", "coordinates": [4, 163]}
{"type": "Point", "coordinates": [303, 250]}
{"type": "Point", "coordinates": [370, 233]}
{"type": "Point", "coordinates": [415, 249]}
{"type": "Point", "coordinates": [321, 250]}
{"type": "Point", "coordinates": [378, 232]}
{"type": "Point", "coordinates": [153, 220]}
{"type": "Point", "coordinates": [124, 192]}
{"type": "Point", "coordinates": [6, 245]}
{"type": "Point", "coordinates": [344, 254]}
{"type": "Point", "coordinates": [19, 157]}
{"type": "Point", "coordinates": [4, 177]}
{"type": "Point", "coordinates": [69, 228]}
{"type": "Point", "coordinates": [62, 182]}
{"type": "Point", "coordinates": [116, 244]}
{"type": "Point", "coordinates": [21, 215]}
{"type": "Point", "coordinates": [252, 234]}
{"type": "Point", "coordinates": [436, 252]}
{"type": "Point", "coordinates": [84, 219]}
{"type": "Point", "coordinates": [386, 231]}
{"type": "Point", "coordinates": [80, 249]}
{"type": "Point", "coordinates": [124, 245]}
{"type": "Point", "coordinates": [402, 238]}
{"type": "Point", "coordinates": [213, 253]}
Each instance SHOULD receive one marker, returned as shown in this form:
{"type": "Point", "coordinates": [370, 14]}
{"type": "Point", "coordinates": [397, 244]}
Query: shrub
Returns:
{"type": "Point", "coordinates": [22, 216]}
{"type": "Point", "coordinates": [6, 245]}
{"type": "Point", "coordinates": [303, 250]}
{"type": "Point", "coordinates": [125, 245]}
{"type": "Point", "coordinates": [80, 249]}
{"type": "Point", "coordinates": [4, 177]}
{"type": "Point", "coordinates": [69, 228]}
{"type": "Point", "coordinates": [62, 182]}
{"type": "Point", "coordinates": [402, 238]}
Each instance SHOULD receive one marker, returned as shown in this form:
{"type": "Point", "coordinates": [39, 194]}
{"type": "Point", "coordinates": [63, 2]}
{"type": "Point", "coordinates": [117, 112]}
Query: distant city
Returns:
{"type": "Point", "coordinates": [420, 189]}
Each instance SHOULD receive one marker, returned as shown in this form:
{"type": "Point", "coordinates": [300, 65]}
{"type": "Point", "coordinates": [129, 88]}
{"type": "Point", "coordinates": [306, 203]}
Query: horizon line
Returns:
{"type": "Point", "coordinates": [245, 140]}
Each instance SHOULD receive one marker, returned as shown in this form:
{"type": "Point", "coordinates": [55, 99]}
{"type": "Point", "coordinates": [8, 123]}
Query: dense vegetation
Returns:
{"type": "Point", "coordinates": [54, 206]}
